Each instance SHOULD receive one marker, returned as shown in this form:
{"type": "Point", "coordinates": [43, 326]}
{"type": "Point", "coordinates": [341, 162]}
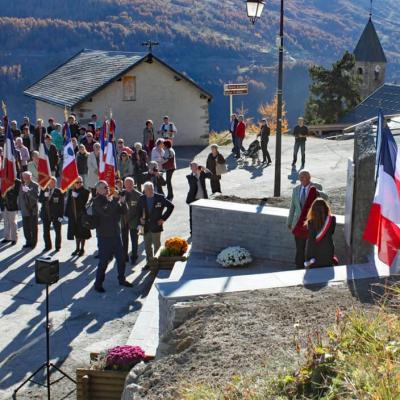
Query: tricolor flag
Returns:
{"type": "Point", "coordinates": [44, 172]}
{"type": "Point", "coordinates": [8, 167]}
{"type": "Point", "coordinates": [111, 138]}
{"type": "Point", "coordinates": [383, 226]}
{"type": "Point", "coordinates": [69, 172]}
{"type": "Point", "coordinates": [103, 146]}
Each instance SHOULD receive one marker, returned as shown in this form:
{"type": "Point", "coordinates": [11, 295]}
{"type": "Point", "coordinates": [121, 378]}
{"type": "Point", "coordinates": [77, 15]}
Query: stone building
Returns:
{"type": "Point", "coordinates": [370, 60]}
{"type": "Point", "coordinates": [135, 86]}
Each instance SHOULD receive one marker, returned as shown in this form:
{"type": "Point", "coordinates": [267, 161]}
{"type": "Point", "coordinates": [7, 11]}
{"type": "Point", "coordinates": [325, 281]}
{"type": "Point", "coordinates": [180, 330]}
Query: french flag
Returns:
{"type": "Point", "coordinates": [103, 148]}
{"type": "Point", "coordinates": [8, 167]}
{"type": "Point", "coordinates": [69, 173]}
{"type": "Point", "coordinates": [383, 226]}
{"type": "Point", "coordinates": [44, 172]}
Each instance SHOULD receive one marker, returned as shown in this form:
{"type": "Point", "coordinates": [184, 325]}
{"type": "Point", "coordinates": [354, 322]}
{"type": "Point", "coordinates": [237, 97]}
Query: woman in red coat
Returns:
{"type": "Point", "coordinates": [240, 135]}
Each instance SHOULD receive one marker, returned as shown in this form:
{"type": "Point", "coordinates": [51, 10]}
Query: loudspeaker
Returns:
{"type": "Point", "coordinates": [47, 270]}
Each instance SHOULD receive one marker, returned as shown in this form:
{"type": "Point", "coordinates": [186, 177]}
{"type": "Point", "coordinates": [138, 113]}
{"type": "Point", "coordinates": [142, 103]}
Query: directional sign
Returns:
{"type": "Point", "coordinates": [235, 89]}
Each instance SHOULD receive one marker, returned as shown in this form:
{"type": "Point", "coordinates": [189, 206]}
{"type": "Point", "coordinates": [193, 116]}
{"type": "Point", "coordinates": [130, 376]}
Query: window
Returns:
{"type": "Point", "coordinates": [360, 71]}
{"type": "Point", "coordinates": [128, 88]}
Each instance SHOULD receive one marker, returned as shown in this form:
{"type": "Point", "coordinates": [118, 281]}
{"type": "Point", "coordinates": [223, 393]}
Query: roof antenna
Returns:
{"type": "Point", "coordinates": [370, 11]}
{"type": "Point", "coordinates": [150, 44]}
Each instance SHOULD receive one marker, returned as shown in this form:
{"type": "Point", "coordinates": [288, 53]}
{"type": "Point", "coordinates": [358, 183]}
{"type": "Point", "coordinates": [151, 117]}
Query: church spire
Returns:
{"type": "Point", "coordinates": [369, 48]}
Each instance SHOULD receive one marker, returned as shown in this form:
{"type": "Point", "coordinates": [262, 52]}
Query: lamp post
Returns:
{"type": "Point", "coordinates": [254, 11]}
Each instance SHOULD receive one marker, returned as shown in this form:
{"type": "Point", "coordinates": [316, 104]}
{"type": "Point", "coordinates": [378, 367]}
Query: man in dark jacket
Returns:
{"type": "Point", "coordinates": [264, 135]}
{"type": "Point", "coordinates": [107, 211]}
{"type": "Point", "coordinates": [28, 195]}
{"type": "Point", "coordinates": [232, 129]}
{"type": "Point", "coordinates": [52, 212]}
{"type": "Point", "coordinates": [154, 209]}
{"type": "Point", "coordinates": [300, 132]}
{"type": "Point", "coordinates": [197, 186]}
{"type": "Point", "coordinates": [10, 202]}
{"type": "Point", "coordinates": [130, 220]}
{"type": "Point", "coordinates": [53, 154]}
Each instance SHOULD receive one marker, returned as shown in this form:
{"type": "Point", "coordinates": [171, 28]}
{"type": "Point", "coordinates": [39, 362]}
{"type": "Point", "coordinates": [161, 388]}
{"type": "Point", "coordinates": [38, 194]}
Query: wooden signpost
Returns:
{"type": "Point", "coordinates": [235, 89]}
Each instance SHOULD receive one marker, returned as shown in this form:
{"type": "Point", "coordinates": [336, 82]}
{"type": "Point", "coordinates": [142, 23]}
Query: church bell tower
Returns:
{"type": "Point", "coordinates": [370, 60]}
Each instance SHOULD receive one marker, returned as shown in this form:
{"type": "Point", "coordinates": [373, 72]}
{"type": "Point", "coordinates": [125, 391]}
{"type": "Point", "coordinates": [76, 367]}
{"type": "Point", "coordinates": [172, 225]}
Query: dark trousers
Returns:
{"type": "Point", "coordinates": [238, 146]}
{"type": "Point", "coordinates": [133, 233]}
{"type": "Point", "coordinates": [30, 227]}
{"type": "Point", "coordinates": [299, 145]}
{"type": "Point", "coordinates": [109, 246]}
{"type": "Point", "coordinates": [300, 252]}
{"type": "Point", "coordinates": [215, 183]}
{"type": "Point", "coordinates": [46, 232]}
{"type": "Point", "coordinates": [190, 219]}
{"type": "Point", "coordinates": [170, 194]}
{"type": "Point", "coordinates": [264, 148]}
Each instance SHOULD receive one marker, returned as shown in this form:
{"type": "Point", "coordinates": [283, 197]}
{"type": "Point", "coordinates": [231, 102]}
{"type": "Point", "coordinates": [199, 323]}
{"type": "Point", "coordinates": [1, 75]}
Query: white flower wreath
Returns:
{"type": "Point", "coordinates": [235, 256]}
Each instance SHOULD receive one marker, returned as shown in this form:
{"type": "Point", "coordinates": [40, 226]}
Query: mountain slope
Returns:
{"type": "Point", "coordinates": [212, 41]}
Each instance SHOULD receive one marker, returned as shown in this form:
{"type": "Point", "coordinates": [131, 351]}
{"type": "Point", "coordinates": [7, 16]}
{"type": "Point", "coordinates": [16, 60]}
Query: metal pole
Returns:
{"type": "Point", "coordinates": [278, 147]}
{"type": "Point", "coordinates": [47, 343]}
{"type": "Point", "coordinates": [230, 106]}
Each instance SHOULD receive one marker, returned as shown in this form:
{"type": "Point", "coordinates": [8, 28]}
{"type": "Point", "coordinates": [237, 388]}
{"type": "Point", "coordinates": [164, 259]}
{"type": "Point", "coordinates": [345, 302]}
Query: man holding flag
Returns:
{"type": "Point", "coordinates": [383, 226]}
{"type": "Point", "coordinates": [9, 184]}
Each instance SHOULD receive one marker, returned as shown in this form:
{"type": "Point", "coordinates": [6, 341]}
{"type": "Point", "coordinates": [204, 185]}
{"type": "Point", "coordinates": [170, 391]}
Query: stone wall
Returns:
{"type": "Point", "coordinates": [260, 229]}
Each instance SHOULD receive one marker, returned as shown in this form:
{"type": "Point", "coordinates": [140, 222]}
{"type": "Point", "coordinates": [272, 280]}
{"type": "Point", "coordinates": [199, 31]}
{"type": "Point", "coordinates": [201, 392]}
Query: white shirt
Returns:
{"type": "Point", "coordinates": [200, 191]}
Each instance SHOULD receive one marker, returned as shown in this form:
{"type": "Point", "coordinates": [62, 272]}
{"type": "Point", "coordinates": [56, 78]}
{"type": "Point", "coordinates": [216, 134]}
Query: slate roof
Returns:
{"type": "Point", "coordinates": [386, 97]}
{"type": "Point", "coordinates": [369, 47]}
{"type": "Point", "coordinates": [86, 73]}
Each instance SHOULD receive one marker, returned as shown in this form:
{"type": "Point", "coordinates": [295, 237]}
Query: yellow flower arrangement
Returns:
{"type": "Point", "coordinates": [176, 246]}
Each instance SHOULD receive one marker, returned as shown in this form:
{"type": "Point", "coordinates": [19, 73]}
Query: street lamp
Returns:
{"type": "Point", "coordinates": [254, 10]}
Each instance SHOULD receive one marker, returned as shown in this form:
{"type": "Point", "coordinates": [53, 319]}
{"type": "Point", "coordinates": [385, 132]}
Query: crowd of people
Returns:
{"type": "Point", "coordinates": [140, 204]}
{"type": "Point", "coordinates": [143, 197]}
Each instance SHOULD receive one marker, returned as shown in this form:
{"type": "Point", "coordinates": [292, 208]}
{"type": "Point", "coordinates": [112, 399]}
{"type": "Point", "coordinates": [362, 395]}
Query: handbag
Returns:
{"type": "Point", "coordinates": [169, 164]}
{"type": "Point", "coordinates": [220, 168]}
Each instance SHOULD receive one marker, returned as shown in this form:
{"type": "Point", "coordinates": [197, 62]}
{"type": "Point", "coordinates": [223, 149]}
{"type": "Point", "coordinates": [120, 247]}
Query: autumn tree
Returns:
{"type": "Point", "coordinates": [269, 111]}
{"type": "Point", "coordinates": [333, 92]}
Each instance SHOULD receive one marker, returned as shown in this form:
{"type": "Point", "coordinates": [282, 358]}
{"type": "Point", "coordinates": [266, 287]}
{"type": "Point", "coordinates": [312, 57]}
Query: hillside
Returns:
{"type": "Point", "coordinates": [211, 41]}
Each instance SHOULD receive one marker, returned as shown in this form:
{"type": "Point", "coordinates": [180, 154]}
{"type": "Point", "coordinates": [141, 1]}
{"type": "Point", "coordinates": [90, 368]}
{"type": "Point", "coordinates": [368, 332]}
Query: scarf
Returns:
{"type": "Point", "coordinates": [300, 230]}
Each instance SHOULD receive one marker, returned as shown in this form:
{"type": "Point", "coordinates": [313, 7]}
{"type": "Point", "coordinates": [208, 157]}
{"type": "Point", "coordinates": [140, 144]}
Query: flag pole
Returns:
{"type": "Point", "coordinates": [4, 108]}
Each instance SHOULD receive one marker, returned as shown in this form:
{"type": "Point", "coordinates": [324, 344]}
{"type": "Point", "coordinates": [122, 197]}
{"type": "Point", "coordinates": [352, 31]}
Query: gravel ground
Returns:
{"type": "Point", "coordinates": [336, 199]}
{"type": "Point", "coordinates": [234, 333]}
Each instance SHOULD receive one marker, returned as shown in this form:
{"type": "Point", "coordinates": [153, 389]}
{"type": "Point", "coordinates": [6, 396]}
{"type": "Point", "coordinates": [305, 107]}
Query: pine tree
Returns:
{"type": "Point", "coordinates": [333, 92]}
{"type": "Point", "coordinates": [269, 111]}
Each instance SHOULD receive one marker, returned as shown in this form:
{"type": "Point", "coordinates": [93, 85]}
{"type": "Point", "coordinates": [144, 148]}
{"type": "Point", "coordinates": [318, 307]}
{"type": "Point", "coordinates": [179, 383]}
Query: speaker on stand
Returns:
{"type": "Point", "coordinates": [46, 273]}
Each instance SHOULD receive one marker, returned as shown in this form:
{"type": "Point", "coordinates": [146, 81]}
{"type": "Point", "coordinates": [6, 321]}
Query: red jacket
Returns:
{"type": "Point", "coordinates": [241, 129]}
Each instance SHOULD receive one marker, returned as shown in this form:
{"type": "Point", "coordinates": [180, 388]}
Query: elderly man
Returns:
{"type": "Point", "coordinates": [23, 153]}
{"type": "Point", "coordinates": [28, 204]}
{"type": "Point", "coordinates": [197, 186]}
{"type": "Point", "coordinates": [130, 220]}
{"type": "Point", "coordinates": [153, 209]}
{"type": "Point", "coordinates": [52, 212]}
{"type": "Point", "coordinates": [300, 132]}
{"type": "Point", "coordinates": [302, 198]}
{"type": "Point", "coordinates": [108, 211]}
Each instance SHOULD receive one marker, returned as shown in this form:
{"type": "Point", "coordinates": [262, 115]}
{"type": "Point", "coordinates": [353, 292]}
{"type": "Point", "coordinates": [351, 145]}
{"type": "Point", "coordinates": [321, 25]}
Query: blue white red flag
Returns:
{"type": "Point", "coordinates": [103, 146]}
{"type": "Point", "coordinates": [8, 165]}
{"type": "Point", "coordinates": [69, 173]}
{"type": "Point", "coordinates": [44, 171]}
{"type": "Point", "coordinates": [107, 158]}
{"type": "Point", "coordinates": [383, 226]}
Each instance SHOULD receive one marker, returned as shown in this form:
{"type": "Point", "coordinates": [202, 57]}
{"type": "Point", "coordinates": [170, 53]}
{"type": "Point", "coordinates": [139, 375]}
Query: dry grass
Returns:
{"type": "Point", "coordinates": [358, 358]}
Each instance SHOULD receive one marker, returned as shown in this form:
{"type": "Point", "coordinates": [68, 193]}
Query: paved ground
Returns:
{"type": "Point", "coordinates": [84, 321]}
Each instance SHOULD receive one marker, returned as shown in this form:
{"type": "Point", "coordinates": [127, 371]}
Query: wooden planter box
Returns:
{"type": "Point", "coordinates": [99, 385]}
{"type": "Point", "coordinates": [160, 262]}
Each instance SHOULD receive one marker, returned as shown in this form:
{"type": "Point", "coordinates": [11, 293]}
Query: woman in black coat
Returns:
{"type": "Point", "coordinates": [320, 250]}
{"type": "Point", "coordinates": [76, 207]}
{"type": "Point", "coordinates": [213, 159]}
